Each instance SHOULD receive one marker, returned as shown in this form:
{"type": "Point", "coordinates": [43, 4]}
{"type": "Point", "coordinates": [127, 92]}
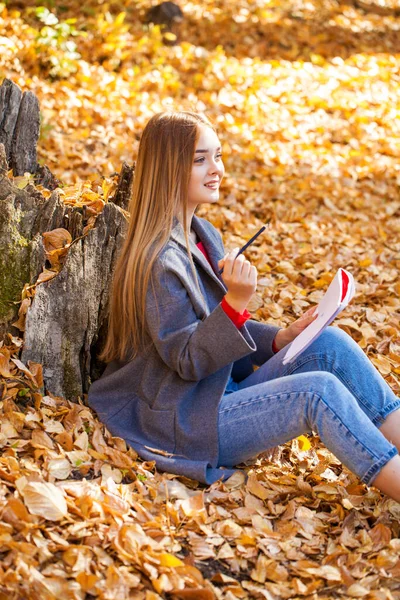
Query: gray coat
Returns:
{"type": "Point", "coordinates": [167, 399]}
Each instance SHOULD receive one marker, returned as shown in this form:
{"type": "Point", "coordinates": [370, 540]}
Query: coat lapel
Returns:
{"type": "Point", "coordinates": [211, 243]}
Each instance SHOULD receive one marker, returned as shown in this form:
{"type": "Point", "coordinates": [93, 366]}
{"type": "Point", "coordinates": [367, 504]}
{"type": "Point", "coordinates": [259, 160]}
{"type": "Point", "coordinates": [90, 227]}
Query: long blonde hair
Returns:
{"type": "Point", "coordinates": [160, 192]}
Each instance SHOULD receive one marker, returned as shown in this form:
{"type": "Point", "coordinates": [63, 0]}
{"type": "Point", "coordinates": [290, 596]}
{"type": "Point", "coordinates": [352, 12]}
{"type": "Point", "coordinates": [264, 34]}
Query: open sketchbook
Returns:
{"type": "Point", "coordinates": [337, 296]}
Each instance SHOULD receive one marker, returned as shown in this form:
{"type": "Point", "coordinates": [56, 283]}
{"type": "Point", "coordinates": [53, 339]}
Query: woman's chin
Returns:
{"type": "Point", "coordinates": [214, 197]}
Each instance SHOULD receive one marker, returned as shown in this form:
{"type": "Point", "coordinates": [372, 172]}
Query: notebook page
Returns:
{"type": "Point", "coordinates": [329, 307]}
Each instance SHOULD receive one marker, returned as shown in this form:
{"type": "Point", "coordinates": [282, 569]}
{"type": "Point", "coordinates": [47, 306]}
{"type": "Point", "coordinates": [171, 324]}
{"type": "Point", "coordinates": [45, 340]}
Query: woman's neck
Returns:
{"type": "Point", "coordinates": [192, 233]}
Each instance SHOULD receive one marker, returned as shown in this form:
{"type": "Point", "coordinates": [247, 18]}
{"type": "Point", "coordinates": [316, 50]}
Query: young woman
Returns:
{"type": "Point", "coordinates": [180, 385]}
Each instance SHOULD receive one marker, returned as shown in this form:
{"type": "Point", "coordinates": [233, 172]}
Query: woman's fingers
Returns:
{"type": "Point", "coordinates": [230, 261]}
{"type": "Point", "coordinates": [222, 260]}
{"type": "Point", "coordinates": [238, 266]}
{"type": "Point", "coordinates": [310, 314]}
{"type": "Point", "coordinates": [253, 275]}
{"type": "Point", "coordinates": [246, 270]}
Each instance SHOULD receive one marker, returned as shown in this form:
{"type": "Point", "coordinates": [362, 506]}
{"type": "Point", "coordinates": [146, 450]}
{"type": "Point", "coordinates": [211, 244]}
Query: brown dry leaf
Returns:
{"type": "Point", "coordinates": [327, 572]}
{"type": "Point", "coordinates": [382, 364]}
{"type": "Point", "coordinates": [15, 512]}
{"type": "Point", "coordinates": [98, 440]}
{"type": "Point", "coordinates": [256, 488]}
{"type": "Point", "coordinates": [45, 500]}
{"type": "Point", "coordinates": [65, 440]}
{"type": "Point", "coordinates": [56, 239]}
{"type": "Point", "coordinates": [87, 581]}
{"type": "Point", "coordinates": [380, 535]}
{"type": "Point", "coordinates": [5, 367]}
{"type": "Point", "coordinates": [357, 591]}
{"type": "Point", "coordinates": [23, 309]}
{"type": "Point", "coordinates": [72, 420]}
{"type": "Point", "coordinates": [194, 507]}
{"type": "Point", "coordinates": [45, 275]}
{"type": "Point", "coordinates": [36, 370]}
{"type": "Point", "coordinates": [119, 459]}
{"type": "Point", "coordinates": [59, 468]}
{"type": "Point", "coordinates": [40, 439]}
{"type": "Point", "coordinates": [193, 594]}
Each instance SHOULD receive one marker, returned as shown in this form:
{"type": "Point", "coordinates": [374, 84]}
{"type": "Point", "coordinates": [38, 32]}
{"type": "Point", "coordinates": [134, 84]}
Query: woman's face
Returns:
{"type": "Point", "coordinates": [207, 166]}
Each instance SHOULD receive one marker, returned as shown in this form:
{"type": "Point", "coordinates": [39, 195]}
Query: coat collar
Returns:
{"type": "Point", "coordinates": [211, 243]}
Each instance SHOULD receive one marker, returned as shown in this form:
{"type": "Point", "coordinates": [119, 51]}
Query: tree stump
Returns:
{"type": "Point", "coordinates": [19, 127]}
{"type": "Point", "coordinates": [66, 322]}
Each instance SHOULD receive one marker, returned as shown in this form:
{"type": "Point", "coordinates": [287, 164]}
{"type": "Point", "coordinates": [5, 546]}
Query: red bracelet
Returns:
{"type": "Point", "coordinates": [275, 348]}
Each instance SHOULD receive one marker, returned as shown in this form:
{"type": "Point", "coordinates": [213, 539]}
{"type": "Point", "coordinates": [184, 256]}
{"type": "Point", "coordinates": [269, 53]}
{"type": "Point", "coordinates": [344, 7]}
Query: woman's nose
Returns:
{"type": "Point", "coordinates": [216, 166]}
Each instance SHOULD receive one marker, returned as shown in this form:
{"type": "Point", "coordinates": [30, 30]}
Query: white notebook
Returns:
{"type": "Point", "coordinates": [339, 293]}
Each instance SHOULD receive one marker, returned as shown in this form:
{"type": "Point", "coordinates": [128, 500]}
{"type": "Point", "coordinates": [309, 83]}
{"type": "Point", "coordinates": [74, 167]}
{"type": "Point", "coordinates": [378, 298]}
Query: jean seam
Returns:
{"type": "Point", "coordinates": [360, 399]}
{"type": "Point", "coordinates": [300, 362]}
{"type": "Point", "coordinates": [377, 416]}
{"type": "Point", "coordinates": [258, 398]}
{"type": "Point", "coordinates": [372, 454]}
{"type": "Point", "coordinates": [389, 409]}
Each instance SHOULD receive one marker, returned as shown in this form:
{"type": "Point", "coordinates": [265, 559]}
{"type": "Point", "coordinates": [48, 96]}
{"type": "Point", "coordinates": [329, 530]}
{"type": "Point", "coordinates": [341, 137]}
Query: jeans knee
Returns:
{"type": "Point", "coordinates": [334, 335]}
{"type": "Point", "coordinates": [327, 392]}
{"type": "Point", "coordinates": [333, 341]}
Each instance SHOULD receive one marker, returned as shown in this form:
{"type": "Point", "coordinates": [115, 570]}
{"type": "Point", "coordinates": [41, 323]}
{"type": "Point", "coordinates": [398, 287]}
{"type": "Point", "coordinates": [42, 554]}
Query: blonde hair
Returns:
{"type": "Point", "coordinates": [160, 192]}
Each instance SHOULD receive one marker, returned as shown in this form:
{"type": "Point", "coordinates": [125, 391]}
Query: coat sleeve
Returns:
{"type": "Point", "coordinates": [192, 347]}
{"type": "Point", "coordinates": [263, 335]}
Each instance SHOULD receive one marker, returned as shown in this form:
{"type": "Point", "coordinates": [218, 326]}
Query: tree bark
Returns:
{"type": "Point", "coordinates": [66, 323]}
{"type": "Point", "coordinates": [24, 214]}
{"type": "Point", "coordinates": [19, 127]}
{"type": "Point", "coordinates": [124, 187]}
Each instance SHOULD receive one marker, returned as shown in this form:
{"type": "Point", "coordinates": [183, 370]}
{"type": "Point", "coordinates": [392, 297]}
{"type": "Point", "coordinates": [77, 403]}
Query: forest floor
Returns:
{"type": "Point", "coordinates": [305, 97]}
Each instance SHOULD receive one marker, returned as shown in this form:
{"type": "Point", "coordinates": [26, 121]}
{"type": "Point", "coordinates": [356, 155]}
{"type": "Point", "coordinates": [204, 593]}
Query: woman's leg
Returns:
{"type": "Point", "coordinates": [267, 414]}
{"type": "Point", "coordinates": [336, 352]}
{"type": "Point", "coordinates": [388, 479]}
{"type": "Point", "coordinates": [255, 418]}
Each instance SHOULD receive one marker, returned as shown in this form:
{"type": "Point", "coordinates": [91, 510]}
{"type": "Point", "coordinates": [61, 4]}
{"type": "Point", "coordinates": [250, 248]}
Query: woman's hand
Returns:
{"type": "Point", "coordinates": [285, 336]}
{"type": "Point", "coordinates": [240, 277]}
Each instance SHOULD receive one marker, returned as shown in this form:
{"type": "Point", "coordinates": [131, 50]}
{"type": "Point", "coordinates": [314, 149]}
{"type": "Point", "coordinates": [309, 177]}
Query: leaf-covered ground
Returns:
{"type": "Point", "coordinates": [306, 100]}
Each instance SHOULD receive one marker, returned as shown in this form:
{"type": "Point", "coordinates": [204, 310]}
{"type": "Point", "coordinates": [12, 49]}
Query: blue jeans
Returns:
{"type": "Point", "coordinates": [332, 388]}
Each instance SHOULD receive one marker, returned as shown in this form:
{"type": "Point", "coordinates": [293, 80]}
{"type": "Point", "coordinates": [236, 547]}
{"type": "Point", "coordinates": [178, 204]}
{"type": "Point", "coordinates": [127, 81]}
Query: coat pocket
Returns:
{"type": "Point", "coordinates": [137, 422]}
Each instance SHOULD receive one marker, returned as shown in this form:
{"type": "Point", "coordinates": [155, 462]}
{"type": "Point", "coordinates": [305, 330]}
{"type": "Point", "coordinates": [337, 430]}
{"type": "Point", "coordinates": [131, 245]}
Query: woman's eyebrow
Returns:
{"type": "Point", "coordinates": [206, 150]}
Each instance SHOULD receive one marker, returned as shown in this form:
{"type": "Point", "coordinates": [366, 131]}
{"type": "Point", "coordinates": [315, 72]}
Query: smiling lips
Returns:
{"type": "Point", "coordinates": [212, 185]}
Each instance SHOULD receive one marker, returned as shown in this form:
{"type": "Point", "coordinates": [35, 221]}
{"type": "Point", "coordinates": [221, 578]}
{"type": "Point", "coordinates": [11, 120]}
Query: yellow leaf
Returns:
{"type": "Point", "coordinates": [169, 560]}
{"type": "Point", "coordinates": [120, 19]}
{"type": "Point", "coordinates": [86, 580]}
{"type": "Point", "coordinates": [170, 36]}
{"type": "Point", "coordinates": [319, 283]}
{"type": "Point", "coordinates": [365, 262]}
{"type": "Point", "coordinates": [304, 443]}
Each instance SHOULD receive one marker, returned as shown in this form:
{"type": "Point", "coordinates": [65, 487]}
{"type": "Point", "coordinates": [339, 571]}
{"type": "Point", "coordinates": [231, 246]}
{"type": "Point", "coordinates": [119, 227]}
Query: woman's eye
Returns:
{"type": "Point", "coordinates": [202, 158]}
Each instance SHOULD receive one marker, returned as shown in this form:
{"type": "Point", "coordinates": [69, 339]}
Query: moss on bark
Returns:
{"type": "Point", "coordinates": [15, 251]}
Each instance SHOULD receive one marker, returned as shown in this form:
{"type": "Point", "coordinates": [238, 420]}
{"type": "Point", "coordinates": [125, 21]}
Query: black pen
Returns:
{"type": "Point", "coordinates": [247, 244]}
